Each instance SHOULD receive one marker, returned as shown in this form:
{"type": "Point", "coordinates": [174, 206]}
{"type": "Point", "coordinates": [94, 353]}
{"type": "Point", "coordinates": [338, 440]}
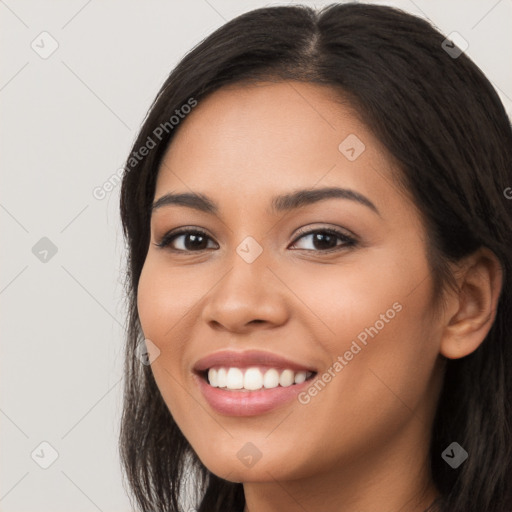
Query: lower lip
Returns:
{"type": "Point", "coordinates": [248, 403]}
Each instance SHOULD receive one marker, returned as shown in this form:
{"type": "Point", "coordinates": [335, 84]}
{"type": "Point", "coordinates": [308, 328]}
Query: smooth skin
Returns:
{"type": "Point", "coordinates": [360, 444]}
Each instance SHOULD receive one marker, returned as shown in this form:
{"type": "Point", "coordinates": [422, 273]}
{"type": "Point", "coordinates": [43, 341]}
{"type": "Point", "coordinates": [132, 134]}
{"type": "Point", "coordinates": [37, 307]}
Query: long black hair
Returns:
{"type": "Point", "coordinates": [443, 122]}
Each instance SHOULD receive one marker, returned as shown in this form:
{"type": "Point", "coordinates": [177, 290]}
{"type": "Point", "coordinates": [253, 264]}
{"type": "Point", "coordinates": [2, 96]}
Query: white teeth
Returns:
{"type": "Point", "coordinates": [286, 378]}
{"type": "Point", "coordinates": [235, 379]}
{"type": "Point", "coordinates": [221, 377]}
{"type": "Point", "coordinates": [252, 379]}
{"type": "Point", "coordinates": [212, 377]}
{"type": "Point", "coordinates": [271, 379]}
{"type": "Point", "coordinates": [300, 377]}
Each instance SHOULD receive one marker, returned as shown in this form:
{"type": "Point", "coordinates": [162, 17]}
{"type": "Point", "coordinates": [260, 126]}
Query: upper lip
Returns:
{"type": "Point", "coordinates": [230, 358]}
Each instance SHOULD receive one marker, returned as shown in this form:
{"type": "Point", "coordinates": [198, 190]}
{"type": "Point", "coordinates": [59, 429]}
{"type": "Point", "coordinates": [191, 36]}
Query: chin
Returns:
{"type": "Point", "coordinates": [266, 469]}
{"type": "Point", "coordinates": [238, 475]}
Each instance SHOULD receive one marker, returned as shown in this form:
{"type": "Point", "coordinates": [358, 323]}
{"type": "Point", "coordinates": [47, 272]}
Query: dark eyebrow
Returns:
{"type": "Point", "coordinates": [308, 196]}
{"type": "Point", "coordinates": [196, 201]}
{"type": "Point", "coordinates": [293, 200]}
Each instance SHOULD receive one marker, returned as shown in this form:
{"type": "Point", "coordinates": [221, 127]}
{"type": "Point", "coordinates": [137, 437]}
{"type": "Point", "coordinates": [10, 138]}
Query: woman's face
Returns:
{"type": "Point", "coordinates": [335, 284]}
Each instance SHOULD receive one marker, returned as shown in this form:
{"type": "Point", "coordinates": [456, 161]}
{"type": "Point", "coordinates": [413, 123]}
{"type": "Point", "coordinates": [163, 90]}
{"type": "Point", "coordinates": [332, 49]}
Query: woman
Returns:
{"type": "Point", "coordinates": [319, 269]}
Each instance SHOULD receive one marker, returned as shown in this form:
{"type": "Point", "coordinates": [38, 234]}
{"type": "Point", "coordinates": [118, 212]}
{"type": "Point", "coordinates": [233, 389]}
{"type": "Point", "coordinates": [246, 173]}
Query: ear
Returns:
{"type": "Point", "coordinates": [472, 309]}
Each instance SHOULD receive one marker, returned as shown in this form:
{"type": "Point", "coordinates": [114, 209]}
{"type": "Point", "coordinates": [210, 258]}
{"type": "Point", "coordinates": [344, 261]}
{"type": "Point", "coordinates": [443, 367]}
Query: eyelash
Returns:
{"type": "Point", "coordinates": [348, 241]}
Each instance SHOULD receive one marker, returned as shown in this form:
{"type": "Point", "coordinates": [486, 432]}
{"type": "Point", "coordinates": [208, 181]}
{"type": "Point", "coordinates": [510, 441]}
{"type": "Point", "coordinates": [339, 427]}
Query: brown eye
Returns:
{"type": "Point", "coordinates": [186, 241]}
{"type": "Point", "coordinates": [324, 240]}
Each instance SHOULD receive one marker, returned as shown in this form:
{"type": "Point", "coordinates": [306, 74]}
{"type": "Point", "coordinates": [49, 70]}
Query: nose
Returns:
{"type": "Point", "coordinates": [247, 297]}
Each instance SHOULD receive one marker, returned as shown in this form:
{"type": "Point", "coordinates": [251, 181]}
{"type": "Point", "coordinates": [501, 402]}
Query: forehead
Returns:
{"type": "Point", "coordinates": [276, 116]}
{"type": "Point", "coordinates": [261, 138]}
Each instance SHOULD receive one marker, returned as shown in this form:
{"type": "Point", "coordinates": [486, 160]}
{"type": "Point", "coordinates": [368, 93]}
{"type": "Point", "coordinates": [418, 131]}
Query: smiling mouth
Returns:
{"type": "Point", "coordinates": [253, 378]}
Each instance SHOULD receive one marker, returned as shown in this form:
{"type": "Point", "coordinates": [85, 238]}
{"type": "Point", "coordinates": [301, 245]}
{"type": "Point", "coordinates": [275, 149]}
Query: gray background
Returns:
{"type": "Point", "coordinates": [68, 122]}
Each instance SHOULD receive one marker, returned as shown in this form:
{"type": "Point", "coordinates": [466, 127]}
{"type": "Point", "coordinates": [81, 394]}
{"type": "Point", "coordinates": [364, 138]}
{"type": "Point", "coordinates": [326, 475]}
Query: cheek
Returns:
{"type": "Point", "coordinates": [165, 296]}
{"type": "Point", "coordinates": [163, 303]}
{"type": "Point", "coordinates": [375, 322]}
{"type": "Point", "coordinates": [152, 301]}
{"type": "Point", "coordinates": [163, 300]}
{"type": "Point", "coordinates": [345, 299]}
{"type": "Point", "coordinates": [382, 342]}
